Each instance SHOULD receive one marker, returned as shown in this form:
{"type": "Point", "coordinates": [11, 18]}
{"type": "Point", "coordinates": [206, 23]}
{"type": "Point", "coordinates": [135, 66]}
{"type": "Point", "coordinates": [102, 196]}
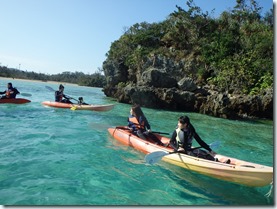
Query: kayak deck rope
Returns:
{"type": "Point", "coordinates": [270, 190]}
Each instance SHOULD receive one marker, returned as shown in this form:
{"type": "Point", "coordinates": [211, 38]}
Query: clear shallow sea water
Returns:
{"type": "Point", "coordinates": [53, 156]}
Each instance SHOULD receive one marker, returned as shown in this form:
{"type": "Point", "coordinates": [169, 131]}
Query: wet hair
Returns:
{"type": "Point", "coordinates": [137, 111]}
{"type": "Point", "coordinates": [61, 86]}
{"type": "Point", "coordinates": [139, 115]}
{"type": "Point", "coordinates": [10, 84]}
{"type": "Point", "coordinates": [184, 119]}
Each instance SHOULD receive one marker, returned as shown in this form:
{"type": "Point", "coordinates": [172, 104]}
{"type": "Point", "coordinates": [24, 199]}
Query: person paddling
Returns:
{"type": "Point", "coordinates": [59, 96]}
{"type": "Point", "coordinates": [139, 125]}
{"type": "Point", "coordinates": [182, 138]}
{"type": "Point", "coordinates": [10, 93]}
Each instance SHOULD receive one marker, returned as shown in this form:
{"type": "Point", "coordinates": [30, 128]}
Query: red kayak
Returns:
{"type": "Point", "coordinates": [14, 101]}
{"type": "Point", "coordinates": [105, 107]}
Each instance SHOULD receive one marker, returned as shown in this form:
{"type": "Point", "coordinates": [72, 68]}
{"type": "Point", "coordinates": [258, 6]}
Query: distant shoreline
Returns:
{"type": "Point", "coordinates": [21, 79]}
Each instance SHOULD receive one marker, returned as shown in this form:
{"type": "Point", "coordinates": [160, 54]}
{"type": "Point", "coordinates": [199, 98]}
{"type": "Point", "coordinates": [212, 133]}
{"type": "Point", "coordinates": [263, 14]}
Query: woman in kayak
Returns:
{"type": "Point", "coordinates": [10, 93]}
{"type": "Point", "coordinates": [59, 95]}
{"type": "Point", "coordinates": [183, 136]}
{"type": "Point", "coordinates": [139, 125]}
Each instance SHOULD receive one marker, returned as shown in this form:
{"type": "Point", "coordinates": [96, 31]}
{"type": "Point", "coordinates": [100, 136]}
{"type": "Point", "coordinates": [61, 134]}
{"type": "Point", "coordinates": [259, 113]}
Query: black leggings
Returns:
{"type": "Point", "coordinates": [201, 154]}
{"type": "Point", "coordinates": [145, 135]}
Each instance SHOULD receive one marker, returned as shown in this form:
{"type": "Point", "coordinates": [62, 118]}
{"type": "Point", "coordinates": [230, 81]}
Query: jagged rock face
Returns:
{"type": "Point", "coordinates": [237, 106]}
{"type": "Point", "coordinates": [158, 86]}
{"type": "Point", "coordinates": [157, 78]}
{"type": "Point", "coordinates": [187, 84]}
{"type": "Point", "coordinates": [267, 103]}
{"type": "Point", "coordinates": [115, 72]}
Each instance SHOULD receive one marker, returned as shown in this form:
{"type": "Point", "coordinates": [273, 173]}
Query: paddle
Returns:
{"type": "Point", "coordinates": [155, 157]}
{"type": "Point", "coordinates": [51, 89]}
{"type": "Point", "coordinates": [156, 132]}
{"type": "Point", "coordinates": [26, 94]}
{"type": "Point", "coordinates": [73, 108]}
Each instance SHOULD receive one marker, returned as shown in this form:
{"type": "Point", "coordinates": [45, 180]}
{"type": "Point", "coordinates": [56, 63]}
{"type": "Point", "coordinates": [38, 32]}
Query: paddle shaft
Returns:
{"type": "Point", "coordinates": [156, 132]}
{"type": "Point", "coordinates": [26, 94]}
{"type": "Point", "coordinates": [213, 145]}
{"type": "Point", "coordinates": [156, 156]}
{"type": "Point", "coordinates": [182, 151]}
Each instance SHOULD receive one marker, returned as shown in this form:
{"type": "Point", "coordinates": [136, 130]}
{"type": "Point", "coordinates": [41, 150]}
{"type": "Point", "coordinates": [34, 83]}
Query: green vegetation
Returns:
{"type": "Point", "coordinates": [94, 80]}
{"type": "Point", "coordinates": [233, 52]}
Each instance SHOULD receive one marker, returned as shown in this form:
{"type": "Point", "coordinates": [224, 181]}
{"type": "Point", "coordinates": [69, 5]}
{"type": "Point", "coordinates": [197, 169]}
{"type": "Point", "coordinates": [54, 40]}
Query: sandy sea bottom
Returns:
{"type": "Point", "coordinates": [53, 156]}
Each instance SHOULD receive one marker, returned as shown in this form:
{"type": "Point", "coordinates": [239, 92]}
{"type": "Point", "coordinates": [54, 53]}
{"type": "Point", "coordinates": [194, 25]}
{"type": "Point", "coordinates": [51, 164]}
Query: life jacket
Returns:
{"type": "Point", "coordinates": [8, 93]}
{"type": "Point", "coordinates": [136, 123]}
{"type": "Point", "coordinates": [182, 136]}
{"type": "Point", "coordinates": [59, 96]}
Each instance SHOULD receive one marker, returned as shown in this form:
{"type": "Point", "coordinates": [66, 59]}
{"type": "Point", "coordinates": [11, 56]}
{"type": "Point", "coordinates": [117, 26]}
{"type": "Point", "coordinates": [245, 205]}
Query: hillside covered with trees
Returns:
{"type": "Point", "coordinates": [233, 52]}
{"type": "Point", "coordinates": [93, 80]}
{"type": "Point", "coordinates": [191, 59]}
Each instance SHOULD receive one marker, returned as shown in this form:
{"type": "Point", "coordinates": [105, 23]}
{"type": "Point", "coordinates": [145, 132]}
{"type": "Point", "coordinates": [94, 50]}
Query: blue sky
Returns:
{"type": "Point", "coordinates": [54, 36]}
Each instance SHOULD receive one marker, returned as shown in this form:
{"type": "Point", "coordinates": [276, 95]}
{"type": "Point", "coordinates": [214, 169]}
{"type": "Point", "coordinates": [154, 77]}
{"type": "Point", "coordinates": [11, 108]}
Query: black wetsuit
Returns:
{"type": "Point", "coordinates": [59, 97]}
{"type": "Point", "coordinates": [186, 137]}
{"type": "Point", "coordinates": [12, 95]}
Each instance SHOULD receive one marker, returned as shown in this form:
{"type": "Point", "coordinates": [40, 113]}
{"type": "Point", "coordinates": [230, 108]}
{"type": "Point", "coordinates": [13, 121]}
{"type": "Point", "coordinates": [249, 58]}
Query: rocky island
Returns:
{"type": "Point", "coordinates": [193, 62]}
{"type": "Point", "coordinates": [157, 87]}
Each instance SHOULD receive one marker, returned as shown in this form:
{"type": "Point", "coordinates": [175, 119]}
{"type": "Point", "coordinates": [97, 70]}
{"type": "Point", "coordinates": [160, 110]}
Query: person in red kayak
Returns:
{"type": "Point", "coordinates": [59, 95]}
{"type": "Point", "coordinates": [139, 125]}
{"type": "Point", "coordinates": [10, 93]}
{"type": "Point", "coordinates": [182, 138]}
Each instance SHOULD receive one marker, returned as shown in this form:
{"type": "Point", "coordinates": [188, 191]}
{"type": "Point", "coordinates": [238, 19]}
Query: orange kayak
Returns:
{"type": "Point", "coordinates": [79, 107]}
{"type": "Point", "coordinates": [14, 101]}
{"type": "Point", "coordinates": [238, 171]}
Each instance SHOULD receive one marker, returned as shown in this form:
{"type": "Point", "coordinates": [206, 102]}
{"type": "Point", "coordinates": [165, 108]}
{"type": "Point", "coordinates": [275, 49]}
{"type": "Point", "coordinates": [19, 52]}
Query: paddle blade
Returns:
{"type": "Point", "coordinates": [215, 145]}
{"type": "Point", "coordinates": [26, 94]}
{"type": "Point", "coordinates": [155, 157]}
{"type": "Point", "coordinates": [73, 108]}
{"type": "Point", "coordinates": [49, 88]}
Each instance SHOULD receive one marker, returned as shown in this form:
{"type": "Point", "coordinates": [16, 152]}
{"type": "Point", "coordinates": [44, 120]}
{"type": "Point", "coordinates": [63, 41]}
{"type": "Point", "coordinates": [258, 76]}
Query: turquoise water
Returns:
{"type": "Point", "coordinates": [53, 156]}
